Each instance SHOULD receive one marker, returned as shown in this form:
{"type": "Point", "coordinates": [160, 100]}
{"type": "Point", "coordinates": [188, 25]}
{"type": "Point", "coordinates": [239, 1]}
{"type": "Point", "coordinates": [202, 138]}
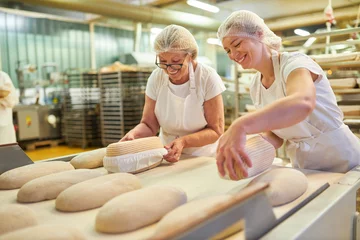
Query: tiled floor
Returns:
{"type": "Point", "coordinates": [52, 152]}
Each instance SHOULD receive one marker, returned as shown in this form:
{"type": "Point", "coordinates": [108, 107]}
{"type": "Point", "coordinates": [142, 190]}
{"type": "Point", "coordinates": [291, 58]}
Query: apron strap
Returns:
{"type": "Point", "coordinates": [191, 77]}
{"type": "Point", "coordinates": [276, 63]}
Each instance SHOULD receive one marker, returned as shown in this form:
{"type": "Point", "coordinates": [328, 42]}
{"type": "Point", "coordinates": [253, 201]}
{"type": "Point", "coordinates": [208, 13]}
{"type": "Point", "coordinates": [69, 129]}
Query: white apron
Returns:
{"type": "Point", "coordinates": [308, 147]}
{"type": "Point", "coordinates": [179, 116]}
{"type": "Point", "coordinates": [7, 131]}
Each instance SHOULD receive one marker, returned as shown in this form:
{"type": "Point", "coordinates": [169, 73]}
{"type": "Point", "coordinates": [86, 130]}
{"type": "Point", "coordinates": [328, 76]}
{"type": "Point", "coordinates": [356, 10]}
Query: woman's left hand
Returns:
{"type": "Point", "coordinates": [231, 152]}
{"type": "Point", "coordinates": [174, 150]}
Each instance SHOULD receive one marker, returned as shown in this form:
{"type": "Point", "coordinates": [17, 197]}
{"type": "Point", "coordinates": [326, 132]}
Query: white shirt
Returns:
{"type": "Point", "coordinates": [208, 83]}
{"type": "Point", "coordinates": [7, 103]}
{"type": "Point", "coordinates": [326, 115]}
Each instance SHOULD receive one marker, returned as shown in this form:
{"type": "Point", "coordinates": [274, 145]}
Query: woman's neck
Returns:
{"type": "Point", "coordinates": [266, 69]}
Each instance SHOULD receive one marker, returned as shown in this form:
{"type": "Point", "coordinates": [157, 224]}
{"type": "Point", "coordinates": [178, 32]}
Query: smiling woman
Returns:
{"type": "Point", "coordinates": [183, 99]}
{"type": "Point", "coordinates": [294, 102]}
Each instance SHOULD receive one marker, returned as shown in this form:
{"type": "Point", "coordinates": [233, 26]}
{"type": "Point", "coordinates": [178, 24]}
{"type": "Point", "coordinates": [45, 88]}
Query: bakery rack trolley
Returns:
{"type": "Point", "coordinates": [122, 98]}
{"type": "Point", "coordinates": [81, 101]}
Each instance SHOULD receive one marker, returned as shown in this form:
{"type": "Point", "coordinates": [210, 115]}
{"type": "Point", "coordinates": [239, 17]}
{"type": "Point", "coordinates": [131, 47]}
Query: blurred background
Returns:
{"type": "Point", "coordinates": [80, 67]}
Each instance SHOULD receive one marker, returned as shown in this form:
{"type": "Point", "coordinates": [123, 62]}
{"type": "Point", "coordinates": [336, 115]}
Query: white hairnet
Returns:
{"type": "Point", "coordinates": [247, 24]}
{"type": "Point", "coordinates": [175, 38]}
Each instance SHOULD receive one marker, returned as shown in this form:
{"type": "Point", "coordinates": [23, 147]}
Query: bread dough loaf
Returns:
{"type": "Point", "coordinates": [90, 159]}
{"type": "Point", "coordinates": [133, 146]}
{"type": "Point", "coordinates": [194, 211]}
{"type": "Point", "coordinates": [45, 232]}
{"type": "Point", "coordinates": [261, 154]}
{"type": "Point", "coordinates": [96, 192]}
{"type": "Point", "coordinates": [15, 216]}
{"type": "Point", "coordinates": [139, 208]}
{"type": "Point", "coordinates": [134, 156]}
{"type": "Point", "coordinates": [17, 177]}
{"type": "Point", "coordinates": [50, 186]}
{"type": "Point", "coordinates": [286, 185]}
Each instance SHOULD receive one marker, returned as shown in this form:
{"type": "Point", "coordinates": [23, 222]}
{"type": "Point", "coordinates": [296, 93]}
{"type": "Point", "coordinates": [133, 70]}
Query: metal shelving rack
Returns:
{"type": "Point", "coordinates": [121, 103]}
{"type": "Point", "coordinates": [81, 114]}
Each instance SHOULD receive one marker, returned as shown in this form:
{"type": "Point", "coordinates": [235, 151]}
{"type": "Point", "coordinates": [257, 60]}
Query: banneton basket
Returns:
{"type": "Point", "coordinates": [261, 154]}
{"type": "Point", "coordinates": [134, 156]}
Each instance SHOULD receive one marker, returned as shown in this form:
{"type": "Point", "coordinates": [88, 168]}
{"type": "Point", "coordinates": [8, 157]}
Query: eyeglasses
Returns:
{"type": "Point", "coordinates": [165, 66]}
{"type": "Point", "coordinates": [173, 66]}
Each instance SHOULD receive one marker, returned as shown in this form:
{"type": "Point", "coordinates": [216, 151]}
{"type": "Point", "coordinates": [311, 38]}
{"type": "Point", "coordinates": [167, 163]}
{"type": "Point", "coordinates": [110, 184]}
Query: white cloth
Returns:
{"type": "Point", "coordinates": [7, 131]}
{"type": "Point", "coordinates": [179, 116]}
{"type": "Point", "coordinates": [134, 162]}
{"type": "Point", "coordinates": [321, 141]}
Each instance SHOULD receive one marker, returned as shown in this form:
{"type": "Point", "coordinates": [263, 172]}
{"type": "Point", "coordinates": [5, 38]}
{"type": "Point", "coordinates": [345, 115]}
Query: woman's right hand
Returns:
{"type": "Point", "coordinates": [231, 153]}
{"type": "Point", "coordinates": [128, 137]}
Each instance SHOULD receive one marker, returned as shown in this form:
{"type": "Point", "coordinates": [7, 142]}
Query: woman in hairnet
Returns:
{"type": "Point", "coordinates": [183, 98]}
{"type": "Point", "coordinates": [294, 102]}
{"type": "Point", "coordinates": [8, 100]}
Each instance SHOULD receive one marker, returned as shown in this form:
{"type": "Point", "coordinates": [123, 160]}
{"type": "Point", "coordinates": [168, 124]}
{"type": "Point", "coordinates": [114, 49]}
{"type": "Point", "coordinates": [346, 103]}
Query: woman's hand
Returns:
{"type": "Point", "coordinates": [174, 150]}
{"type": "Point", "coordinates": [231, 152]}
{"type": "Point", "coordinates": [4, 93]}
{"type": "Point", "coordinates": [128, 137]}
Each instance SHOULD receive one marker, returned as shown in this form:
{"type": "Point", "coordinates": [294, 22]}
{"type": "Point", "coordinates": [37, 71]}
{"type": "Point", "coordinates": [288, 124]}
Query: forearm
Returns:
{"type": "Point", "coordinates": [200, 138]}
{"type": "Point", "coordinates": [282, 113]}
{"type": "Point", "coordinates": [273, 139]}
{"type": "Point", "coordinates": [142, 130]}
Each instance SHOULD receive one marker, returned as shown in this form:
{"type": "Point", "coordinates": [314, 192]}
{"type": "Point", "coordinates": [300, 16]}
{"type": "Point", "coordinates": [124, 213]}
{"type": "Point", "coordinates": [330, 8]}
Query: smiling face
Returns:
{"type": "Point", "coordinates": [245, 51]}
{"type": "Point", "coordinates": [176, 76]}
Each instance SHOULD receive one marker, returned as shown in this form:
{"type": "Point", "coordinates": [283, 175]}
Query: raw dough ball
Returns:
{"type": "Point", "coordinates": [139, 208]}
{"type": "Point", "coordinates": [15, 216]}
{"type": "Point", "coordinates": [90, 159]}
{"type": "Point", "coordinates": [195, 211]}
{"type": "Point", "coordinates": [50, 186]}
{"type": "Point", "coordinates": [134, 156]}
{"type": "Point", "coordinates": [45, 232]}
{"type": "Point", "coordinates": [17, 177]}
{"type": "Point", "coordinates": [261, 154]}
{"type": "Point", "coordinates": [96, 192]}
{"type": "Point", "coordinates": [286, 185]}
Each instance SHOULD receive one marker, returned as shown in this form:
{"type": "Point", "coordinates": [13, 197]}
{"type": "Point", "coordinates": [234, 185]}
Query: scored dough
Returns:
{"type": "Point", "coordinates": [96, 192]}
{"type": "Point", "coordinates": [50, 186]}
{"type": "Point", "coordinates": [134, 156]}
{"type": "Point", "coordinates": [45, 232]}
{"type": "Point", "coordinates": [261, 154]}
{"type": "Point", "coordinates": [196, 210]}
{"type": "Point", "coordinates": [133, 146]}
{"type": "Point", "coordinates": [17, 177]}
{"type": "Point", "coordinates": [90, 159]}
{"type": "Point", "coordinates": [15, 216]}
{"type": "Point", "coordinates": [286, 185]}
{"type": "Point", "coordinates": [139, 208]}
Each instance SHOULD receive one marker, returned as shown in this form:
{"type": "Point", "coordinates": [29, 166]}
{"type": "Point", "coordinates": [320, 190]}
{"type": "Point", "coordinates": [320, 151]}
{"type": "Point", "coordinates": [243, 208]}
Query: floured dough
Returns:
{"type": "Point", "coordinates": [195, 211]}
{"type": "Point", "coordinates": [50, 186]}
{"type": "Point", "coordinates": [17, 177]}
{"type": "Point", "coordinates": [45, 232]}
{"type": "Point", "coordinates": [261, 154]}
{"type": "Point", "coordinates": [15, 216]}
{"type": "Point", "coordinates": [139, 208]}
{"type": "Point", "coordinates": [134, 156]}
{"type": "Point", "coordinates": [96, 192]}
{"type": "Point", "coordinates": [286, 185]}
{"type": "Point", "coordinates": [133, 146]}
{"type": "Point", "coordinates": [90, 159]}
